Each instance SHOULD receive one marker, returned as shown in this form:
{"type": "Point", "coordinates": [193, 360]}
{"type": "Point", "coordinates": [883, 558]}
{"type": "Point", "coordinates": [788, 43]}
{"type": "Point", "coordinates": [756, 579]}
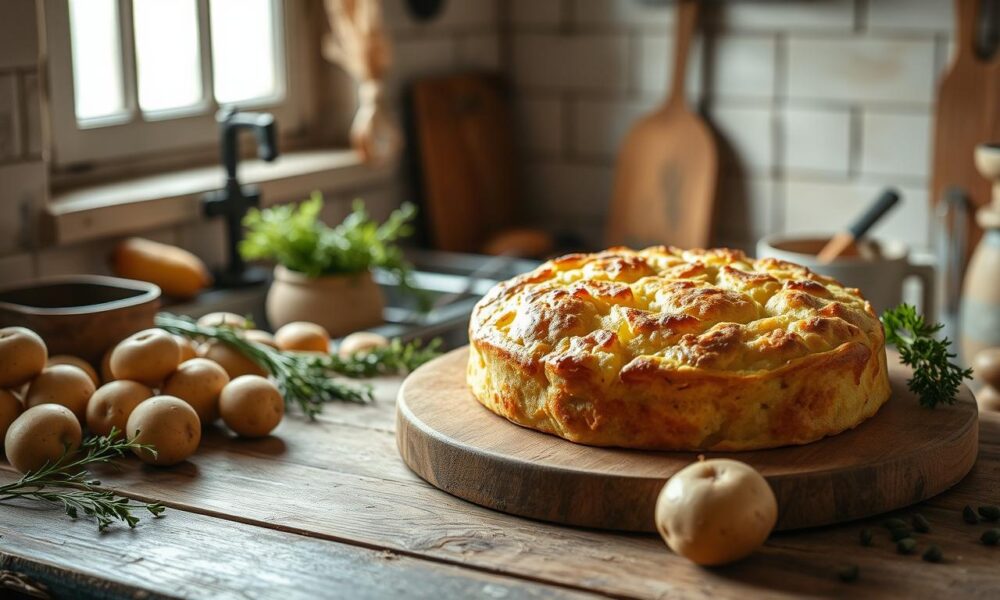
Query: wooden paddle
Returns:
{"type": "Point", "coordinates": [666, 173]}
{"type": "Point", "coordinates": [965, 115]}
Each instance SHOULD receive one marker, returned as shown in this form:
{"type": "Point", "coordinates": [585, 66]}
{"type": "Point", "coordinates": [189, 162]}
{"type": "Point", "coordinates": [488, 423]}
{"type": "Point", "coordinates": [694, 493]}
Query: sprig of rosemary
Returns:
{"type": "Point", "coordinates": [936, 378]}
{"type": "Point", "coordinates": [308, 380]}
{"type": "Point", "coordinates": [67, 482]}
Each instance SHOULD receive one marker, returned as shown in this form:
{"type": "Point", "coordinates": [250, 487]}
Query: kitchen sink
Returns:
{"type": "Point", "coordinates": [452, 282]}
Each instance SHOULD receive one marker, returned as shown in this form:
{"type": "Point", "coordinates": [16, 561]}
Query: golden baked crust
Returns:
{"type": "Point", "coordinates": [678, 350]}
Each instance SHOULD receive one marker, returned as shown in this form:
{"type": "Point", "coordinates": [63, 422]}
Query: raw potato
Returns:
{"type": "Point", "coordinates": [301, 336]}
{"type": "Point", "coordinates": [233, 361]}
{"type": "Point", "coordinates": [22, 356]}
{"type": "Point", "coordinates": [251, 406]}
{"type": "Point", "coordinates": [198, 382]}
{"type": "Point", "coordinates": [62, 384]}
{"type": "Point", "coordinates": [259, 336]}
{"type": "Point", "coordinates": [178, 272]}
{"type": "Point", "coordinates": [147, 357]}
{"type": "Point", "coordinates": [10, 408]}
{"type": "Point", "coordinates": [716, 511]}
{"type": "Point", "coordinates": [66, 359]}
{"type": "Point", "coordinates": [106, 374]}
{"type": "Point", "coordinates": [41, 435]}
{"type": "Point", "coordinates": [187, 347]}
{"type": "Point", "coordinates": [218, 319]}
{"type": "Point", "coordinates": [113, 403]}
{"type": "Point", "coordinates": [359, 342]}
{"type": "Point", "coordinates": [168, 424]}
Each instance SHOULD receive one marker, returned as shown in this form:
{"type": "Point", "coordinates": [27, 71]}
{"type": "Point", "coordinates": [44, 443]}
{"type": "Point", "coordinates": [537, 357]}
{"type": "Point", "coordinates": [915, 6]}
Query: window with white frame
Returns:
{"type": "Point", "coordinates": [136, 77]}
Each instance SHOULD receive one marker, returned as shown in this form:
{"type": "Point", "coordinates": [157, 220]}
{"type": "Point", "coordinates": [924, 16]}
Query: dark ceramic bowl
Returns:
{"type": "Point", "coordinates": [82, 315]}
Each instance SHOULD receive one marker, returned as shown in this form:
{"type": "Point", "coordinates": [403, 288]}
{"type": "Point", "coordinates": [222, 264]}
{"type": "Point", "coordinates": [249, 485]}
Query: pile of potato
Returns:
{"type": "Point", "coordinates": [157, 387]}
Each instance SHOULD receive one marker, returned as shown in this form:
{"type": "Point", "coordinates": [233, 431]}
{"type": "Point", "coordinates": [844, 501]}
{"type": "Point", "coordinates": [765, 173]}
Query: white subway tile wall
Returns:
{"type": "Point", "coordinates": [818, 103]}
{"type": "Point", "coordinates": [817, 140]}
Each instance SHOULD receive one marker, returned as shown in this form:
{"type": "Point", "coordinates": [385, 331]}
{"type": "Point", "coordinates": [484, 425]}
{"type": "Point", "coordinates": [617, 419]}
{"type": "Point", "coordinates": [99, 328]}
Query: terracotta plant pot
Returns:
{"type": "Point", "coordinates": [340, 303]}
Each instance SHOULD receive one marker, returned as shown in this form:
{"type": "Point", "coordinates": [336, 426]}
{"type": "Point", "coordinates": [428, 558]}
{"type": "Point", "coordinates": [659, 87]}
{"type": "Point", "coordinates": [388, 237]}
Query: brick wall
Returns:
{"type": "Point", "coordinates": [817, 105]}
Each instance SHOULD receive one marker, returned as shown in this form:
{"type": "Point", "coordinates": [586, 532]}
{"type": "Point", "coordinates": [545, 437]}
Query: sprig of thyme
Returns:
{"type": "Point", "coordinates": [936, 378]}
{"type": "Point", "coordinates": [67, 482]}
{"type": "Point", "coordinates": [308, 380]}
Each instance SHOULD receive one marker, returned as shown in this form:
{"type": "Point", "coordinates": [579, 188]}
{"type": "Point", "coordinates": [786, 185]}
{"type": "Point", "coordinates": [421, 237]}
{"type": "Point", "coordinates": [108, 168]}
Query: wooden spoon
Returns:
{"type": "Point", "coordinates": [666, 173]}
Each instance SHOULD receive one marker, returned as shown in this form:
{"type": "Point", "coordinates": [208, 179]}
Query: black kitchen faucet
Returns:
{"type": "Point", "coordinates": [233, 201]}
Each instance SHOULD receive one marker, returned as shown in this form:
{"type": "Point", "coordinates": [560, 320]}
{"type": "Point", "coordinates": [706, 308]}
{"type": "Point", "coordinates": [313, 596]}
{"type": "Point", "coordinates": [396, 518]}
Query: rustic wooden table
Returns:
{"type": "Point", "coordinates": [328, 509]}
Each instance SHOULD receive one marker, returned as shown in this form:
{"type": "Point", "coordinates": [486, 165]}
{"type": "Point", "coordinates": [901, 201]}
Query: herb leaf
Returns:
{"type": "Point", "coordinates": [936, 378]}
{"type": "Point", "coordinates": [66, 482]}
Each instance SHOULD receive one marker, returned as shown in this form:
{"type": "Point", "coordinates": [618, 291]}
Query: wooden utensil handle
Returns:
{"type": "Point", "coordinates": [687, 18]}
{"type": "Point", "coordinates": [966, 16]}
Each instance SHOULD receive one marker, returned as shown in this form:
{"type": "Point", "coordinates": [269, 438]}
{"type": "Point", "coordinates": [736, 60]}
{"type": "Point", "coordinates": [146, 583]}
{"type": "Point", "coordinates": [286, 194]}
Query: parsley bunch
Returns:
{"type": "Point", "coordinates": [936, 378]}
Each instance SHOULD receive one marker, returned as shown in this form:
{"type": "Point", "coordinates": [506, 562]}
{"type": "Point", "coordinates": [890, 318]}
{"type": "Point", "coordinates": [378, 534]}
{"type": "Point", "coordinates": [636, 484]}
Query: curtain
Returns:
{"type": "Point", "coordinates": [357, 41]}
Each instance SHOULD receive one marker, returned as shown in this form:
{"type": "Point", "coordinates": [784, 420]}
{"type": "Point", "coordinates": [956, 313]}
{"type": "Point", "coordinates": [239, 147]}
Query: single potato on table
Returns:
{"type": "Point", "coordinates": [259, 336]}
{"type": "Point", "coordinates": [22, 356]}
{"type": "Point", "coordinates": [226, 319]}
{"type": "Point", "coordinates": [75, 361]}
{"type": "Point", "coordinates": [147, 357]}
{"type": "Point", "coordinates": [168, 424]}
{"type": "Point", "coordinates": [361, 342]}
{"type": "Point", "coordinates": [42, 434]}
{"type": "Point", "coordinates": [187, 347]}
{"type": "Point", "coordinates": [251, 406]}
{"type": "Point", "coordinates": [198, 382]}
{"type": "Point", "coordinates": [716, 511]}
{"type": "Point", "coordinates": [10, 409]}
{"type": "Point", "coordinates": [301, 336]}
{"type": "Point", "coordinates": [233, 361]}
{"type": "Point", "coordinates": [62, 384]}
{"type": "Point", "coordinates": [113, 403]}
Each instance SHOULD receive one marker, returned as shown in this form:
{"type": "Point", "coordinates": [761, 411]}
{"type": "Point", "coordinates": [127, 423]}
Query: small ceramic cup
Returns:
{"type": "Point", "coordinates": [880, 279]}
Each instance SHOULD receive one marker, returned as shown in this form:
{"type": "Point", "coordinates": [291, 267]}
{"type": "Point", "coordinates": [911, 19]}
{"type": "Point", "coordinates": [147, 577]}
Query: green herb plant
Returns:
{"type": "Point", "coordinates": [308, 380]}
{"type": "Point", "coordinates": [294, 236]}
{"type": "Point", "coordinates": [936, 378]}
{"type": "Point", "coordinates": [67, 482]}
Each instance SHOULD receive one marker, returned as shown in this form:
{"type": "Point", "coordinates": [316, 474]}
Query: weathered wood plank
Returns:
{"type": "Point", "coordinates": [194, 556]}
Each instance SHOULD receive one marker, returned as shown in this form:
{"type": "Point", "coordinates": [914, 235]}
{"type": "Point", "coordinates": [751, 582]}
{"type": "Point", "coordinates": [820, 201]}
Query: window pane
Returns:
{"type": "Point", "coordinates": [167, 54]}
{"type": "Point", "coordinates": [243, 50]}
{"type": "Point", "coordinates": [97, 63]}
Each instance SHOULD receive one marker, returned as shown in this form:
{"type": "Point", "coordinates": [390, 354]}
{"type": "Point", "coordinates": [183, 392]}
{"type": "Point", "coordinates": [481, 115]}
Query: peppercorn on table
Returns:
{"type": "Point", "coordinates": [328, 509]}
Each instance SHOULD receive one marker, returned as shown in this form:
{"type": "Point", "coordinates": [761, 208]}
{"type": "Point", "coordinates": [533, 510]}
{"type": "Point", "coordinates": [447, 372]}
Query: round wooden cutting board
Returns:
{"type": "Point", "coordinates": [902, 455]}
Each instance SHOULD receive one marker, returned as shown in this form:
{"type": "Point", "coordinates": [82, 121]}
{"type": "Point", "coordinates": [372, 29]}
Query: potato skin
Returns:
{"type": "Point", "coordinates": [40, 435]}
{"type": "Point", "coordinates": [176, 271]}
{"type": "Point", "coordinates": [301, 336]}
{"type": "Point", "coordinates": [148, 357]}
{"type": "Point", "coordinates": [187, 347]}
{"type": "Point", "coordinates": [62, 384]}
{"type": "Point", "coordinates": [360, 342]}
{"type": "Point", "coordinates": [233, 361]}
{"type": "Point", "coordinates": [22, 356]}
{"type": "Point", "coordinates": [251, 406]}
{"type": "Point", "coordinates": [198, 382]}
{"type": "Point", "coordinates": [113, 403]}
{"type": "Point", "coordinates": [259, 336]}
{"type": "Point", "coordinates": [716, 511]}
{"type": "Point", "coordinates": [168, 424]}
{"type": "Point", "coordinates": [66, 359]}
{"type": "Point", "coordinates": [10, 409]}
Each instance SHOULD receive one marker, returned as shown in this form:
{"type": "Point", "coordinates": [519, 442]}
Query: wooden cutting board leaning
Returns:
{"type": "Point", "coordinates": [666, 173]}
{"type": "Point", "coordinates": [967, 113]}
{"type": "Point", "coordinates": [895, 459]}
